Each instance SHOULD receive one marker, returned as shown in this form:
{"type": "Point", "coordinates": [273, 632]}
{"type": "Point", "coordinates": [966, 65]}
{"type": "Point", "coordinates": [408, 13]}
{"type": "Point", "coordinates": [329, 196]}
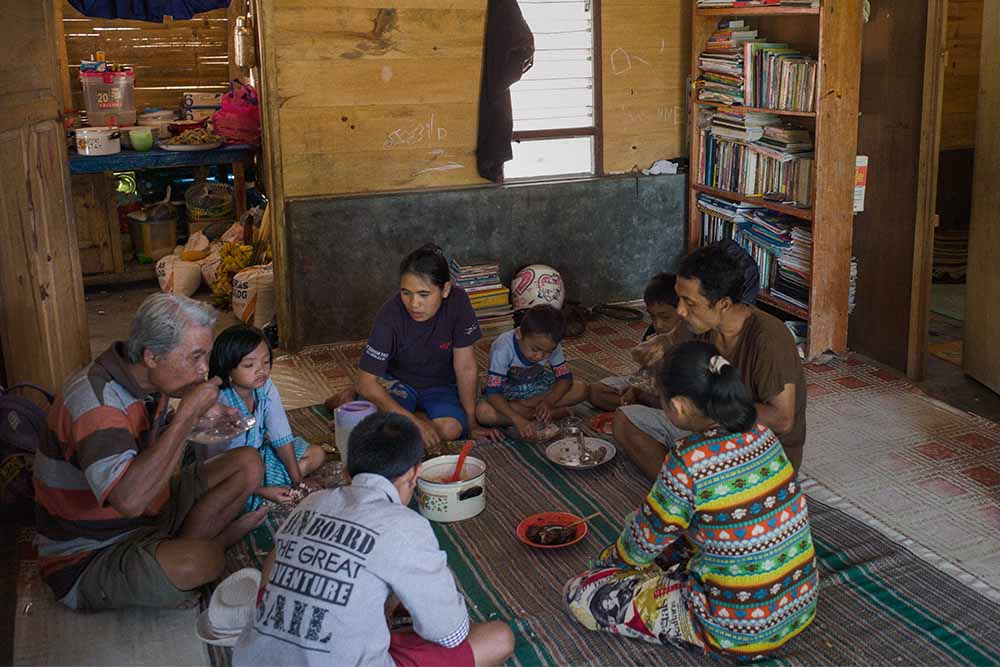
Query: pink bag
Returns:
{"type": "Point", "coordinates": [238, 117]}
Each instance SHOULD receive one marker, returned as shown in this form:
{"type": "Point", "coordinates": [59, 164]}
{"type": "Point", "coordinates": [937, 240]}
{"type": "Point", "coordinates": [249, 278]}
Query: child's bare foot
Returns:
{"type": "Point", "coordinates": [345, 395]}
{"type": "Point", "coordinates": [243, 525]}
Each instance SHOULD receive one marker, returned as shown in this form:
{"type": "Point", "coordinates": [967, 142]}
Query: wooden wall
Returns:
{"type": "Point", "coordinates": [372, 99]}
{"type": "Point", "coordinates": [961, 84]}
{"type": "Point", "coordinates": [168, 58]}
{"type": "Point", "coordinates": [892, 68]}
{"type": "Point", "coordinates": [981, 358]}
{"type": "Point", "coordinates": [645, 55]}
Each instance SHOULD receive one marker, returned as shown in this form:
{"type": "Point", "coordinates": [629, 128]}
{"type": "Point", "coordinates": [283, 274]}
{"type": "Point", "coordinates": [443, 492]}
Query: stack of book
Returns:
{"type": "Point", "coordinates": [720, 217]}
{"type": "Point", "coordinates": [791, 280]}
{"type": "Point", "coordinates": [490, 299]}
{"type": "Point", "coordinates": [766, 236]}
{"type": "Point", "coordinates": [721, 64]}
{"type": "Point", "coordinates": [765, 167]}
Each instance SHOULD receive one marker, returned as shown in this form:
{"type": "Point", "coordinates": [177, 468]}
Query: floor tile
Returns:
{"type": "Point", "coordinates": [985, 475]}
{"type": "Point", "coordinates": [851, 382]}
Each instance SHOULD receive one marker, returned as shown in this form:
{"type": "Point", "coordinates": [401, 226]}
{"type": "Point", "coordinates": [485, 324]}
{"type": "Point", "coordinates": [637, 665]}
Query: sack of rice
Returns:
{"type": "Point", "coordinates": [234, 234]}
{"type": "Point", "coordinates": [177, 276]}
{"type": "Point", "coordinates": [196, 249]}
{"type": "Point", "coordinates": [253, 295]}
{"type": "Point", "coordinates": [210, 267]}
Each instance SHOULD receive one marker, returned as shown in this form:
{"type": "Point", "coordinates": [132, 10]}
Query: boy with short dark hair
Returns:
{"type": "Point", "coordinates": [339, 555]}
{"type": "Point", "coordinates": [666, 329]}
{"type": "Point", "coordinates": [529, 378]}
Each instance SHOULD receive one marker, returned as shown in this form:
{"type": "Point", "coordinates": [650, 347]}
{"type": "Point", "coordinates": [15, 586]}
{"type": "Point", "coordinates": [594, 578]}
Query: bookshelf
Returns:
{"type": "Point", "coordinates": [832, 34]}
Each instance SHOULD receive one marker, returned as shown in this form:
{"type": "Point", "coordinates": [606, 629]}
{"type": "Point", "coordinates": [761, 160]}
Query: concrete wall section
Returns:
{"type": "Point", "coordinates": [606, 237]}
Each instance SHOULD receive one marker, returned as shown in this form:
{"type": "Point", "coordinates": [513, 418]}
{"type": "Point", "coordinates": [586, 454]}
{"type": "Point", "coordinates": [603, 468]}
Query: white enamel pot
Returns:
{"type": "Point", "coordinates": [98, 140]}
{"type": "Point", "coordinates": [446, 502]}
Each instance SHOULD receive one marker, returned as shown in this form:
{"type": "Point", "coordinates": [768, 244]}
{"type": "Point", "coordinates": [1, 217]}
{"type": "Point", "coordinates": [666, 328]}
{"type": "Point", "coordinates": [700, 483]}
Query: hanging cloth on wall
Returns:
{"type": "Point", "coordinates": [146, 10]}
{"type": "Point", "coordinates": [508, 54]}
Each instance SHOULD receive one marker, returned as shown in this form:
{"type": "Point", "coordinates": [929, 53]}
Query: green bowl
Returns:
{"type": "Point", "coordinates": [141, 138]}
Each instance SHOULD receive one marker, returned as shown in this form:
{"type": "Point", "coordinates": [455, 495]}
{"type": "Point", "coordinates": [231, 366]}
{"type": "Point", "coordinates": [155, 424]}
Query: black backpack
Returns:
{"type": "Point", "coordinates": [22, 427]}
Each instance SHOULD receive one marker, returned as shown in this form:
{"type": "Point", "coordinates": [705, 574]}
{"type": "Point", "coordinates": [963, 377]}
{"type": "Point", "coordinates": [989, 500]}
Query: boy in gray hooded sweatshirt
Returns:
{"type": "Point", "coordinates": [339, 555]}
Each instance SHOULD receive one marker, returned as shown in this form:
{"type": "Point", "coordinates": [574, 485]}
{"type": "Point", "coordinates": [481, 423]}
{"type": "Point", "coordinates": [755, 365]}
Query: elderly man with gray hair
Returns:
{"type": "Point", "coordinates": [119, 521]}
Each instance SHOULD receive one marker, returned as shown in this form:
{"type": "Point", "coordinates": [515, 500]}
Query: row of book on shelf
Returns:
{"type": "Point", "coordinates": [780, 244]}
{"type": "Point", "coordinates": [755, 153]}
{"type": "Point", "coordinates": [740, 68]}
{"type": "Point", "coordinates": [490, 298]}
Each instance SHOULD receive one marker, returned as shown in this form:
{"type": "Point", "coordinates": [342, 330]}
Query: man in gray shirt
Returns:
{"type": "Point", "coordinates": [339, 555]}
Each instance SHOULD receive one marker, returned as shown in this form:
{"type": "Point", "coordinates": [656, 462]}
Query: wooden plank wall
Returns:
{"type": "Point", "coordinates": [645, 50]}
{"type": "Point", "coordinates": [891, 69]}
{"type": "Point", "coordinates": [961, 84]}
{"type": "Point", "coordinates": [169, 57]}
{"type": "Point", "coordinates": [43, 319]}
{"type": "Point", "coordinates": [373, 99]}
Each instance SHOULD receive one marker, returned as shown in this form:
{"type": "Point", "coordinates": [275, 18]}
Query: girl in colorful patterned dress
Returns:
{"type": "Point", "coordinates": [241, 358]}
{"type": "Point", "coordinates": [720, 555]}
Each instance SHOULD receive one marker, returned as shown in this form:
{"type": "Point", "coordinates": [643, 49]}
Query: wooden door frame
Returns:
{"type": "Point", "coordinates": [927, 175]}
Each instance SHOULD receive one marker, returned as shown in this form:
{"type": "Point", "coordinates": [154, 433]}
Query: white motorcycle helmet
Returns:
{"type": "Point", "coordinates": [537, 284]}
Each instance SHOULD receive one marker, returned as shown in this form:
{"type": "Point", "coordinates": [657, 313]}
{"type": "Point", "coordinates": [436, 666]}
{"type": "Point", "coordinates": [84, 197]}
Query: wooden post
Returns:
{"type": "Point", "coordinates": [240, 189]}
{"type": "Point", "coordinates": [271, 140]}
{"type": "Point", "coordinates": [836, 147]}
{"type": "Point", "coordinates": [935, 66]}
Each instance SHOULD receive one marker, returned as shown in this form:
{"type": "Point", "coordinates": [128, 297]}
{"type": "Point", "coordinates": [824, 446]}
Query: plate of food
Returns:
{"type": "Point", "coordinates": [544, 530]}
{"type": "Point", "coordinates": [198, 139]}
{"type": "Point", "coordinates": [571, 453]}
{"type": "Point", "coordinates": [221, 429]}
{"type": "Point", "coordinates": [543, 432]}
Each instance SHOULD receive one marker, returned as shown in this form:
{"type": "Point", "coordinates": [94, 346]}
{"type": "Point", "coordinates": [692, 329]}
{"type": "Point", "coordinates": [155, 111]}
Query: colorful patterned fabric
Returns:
{"type": "Point", "coordinates": [538, 385]}
{"type": "Point", "coordinates": [99, 422]}
{"type": "Point", "coordinates": [514, 376]}
{"type": "Point", "coordinates": [752, 565]}
{"type": "Point", "coordinates": [648, 604]}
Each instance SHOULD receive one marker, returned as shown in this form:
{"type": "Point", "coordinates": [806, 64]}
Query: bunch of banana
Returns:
{"type": "Point", "coordinates": [234, 257]}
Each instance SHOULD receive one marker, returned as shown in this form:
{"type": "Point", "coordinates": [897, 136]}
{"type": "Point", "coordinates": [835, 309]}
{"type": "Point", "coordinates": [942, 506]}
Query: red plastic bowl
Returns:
{"type": "Point", "coordinates": [602, 422]}
{"type": "Point", "coordinates": [178, 126]}
{"type": "Point", "coordinates": [549, 519]}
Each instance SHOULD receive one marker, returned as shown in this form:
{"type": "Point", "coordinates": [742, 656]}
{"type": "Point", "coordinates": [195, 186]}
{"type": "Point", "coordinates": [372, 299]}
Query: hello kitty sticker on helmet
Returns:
{"type": "Point", "coordinates": [537, 284]}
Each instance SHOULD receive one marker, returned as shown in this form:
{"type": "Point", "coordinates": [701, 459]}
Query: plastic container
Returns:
{"type": "Point", "coordinates": [109, 97]}
{"type": "Point", "coordinates": [153, 240]}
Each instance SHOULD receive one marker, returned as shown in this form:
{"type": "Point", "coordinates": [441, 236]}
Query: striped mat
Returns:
{"type": "Point", "coordinates": [880, 604]}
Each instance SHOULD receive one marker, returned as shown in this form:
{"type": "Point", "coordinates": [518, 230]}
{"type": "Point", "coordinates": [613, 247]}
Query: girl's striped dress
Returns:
{"type": "Point", "coordinates": [270, 431]}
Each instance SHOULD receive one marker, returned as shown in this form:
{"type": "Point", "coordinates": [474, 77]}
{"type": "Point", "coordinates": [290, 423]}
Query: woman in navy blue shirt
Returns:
{"type": "Point", "coordinates": [422, 342]}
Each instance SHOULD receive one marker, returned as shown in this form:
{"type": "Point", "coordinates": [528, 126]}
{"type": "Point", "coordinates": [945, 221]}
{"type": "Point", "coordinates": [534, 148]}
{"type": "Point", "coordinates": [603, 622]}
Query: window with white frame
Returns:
{"type": "Point", "coordinates": [555, 104]}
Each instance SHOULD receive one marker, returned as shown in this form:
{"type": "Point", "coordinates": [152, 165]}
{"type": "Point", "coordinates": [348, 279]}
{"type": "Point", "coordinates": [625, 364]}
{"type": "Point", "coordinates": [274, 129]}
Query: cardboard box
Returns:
{"type": "Point", "coordinates": [197, 113]}
{"type": "Point", "coordinates": [193, 99]}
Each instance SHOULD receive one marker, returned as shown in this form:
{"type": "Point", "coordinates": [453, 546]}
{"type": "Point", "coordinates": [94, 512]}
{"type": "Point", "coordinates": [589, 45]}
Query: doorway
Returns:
{"type": "Point", "coordinates": [134, 209]}
{"type": "Point", "coordinates": [941, 358]}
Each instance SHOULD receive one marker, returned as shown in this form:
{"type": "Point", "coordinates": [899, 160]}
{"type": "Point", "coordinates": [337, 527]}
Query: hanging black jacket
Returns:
{"type": "Point", "coordinates": [509, 53]}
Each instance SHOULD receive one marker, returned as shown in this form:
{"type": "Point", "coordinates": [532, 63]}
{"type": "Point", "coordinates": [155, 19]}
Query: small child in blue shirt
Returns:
{"type": "Point", "coordinates": [529, 378]}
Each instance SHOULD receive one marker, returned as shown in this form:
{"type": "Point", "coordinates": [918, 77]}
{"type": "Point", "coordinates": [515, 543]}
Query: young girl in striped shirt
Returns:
{"type": "Point", "coordinates": [241, 358]}
{"type": "Point", "coordinates": [719, 555]}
